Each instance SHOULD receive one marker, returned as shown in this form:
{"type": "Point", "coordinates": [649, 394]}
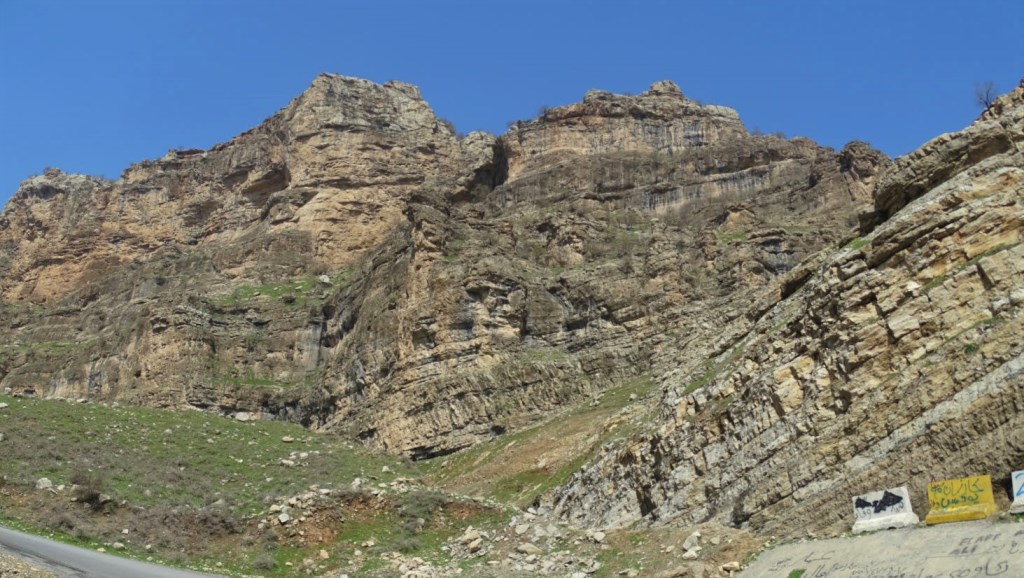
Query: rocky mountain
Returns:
{"type": "Point", "coordinates": [344, 155]}
{"type": "Point", "coordinates": [354, 265]}
{"type": "Point", "coordinates": [895, 359]}
{"type": "Point", "coordinates": [819, 323]}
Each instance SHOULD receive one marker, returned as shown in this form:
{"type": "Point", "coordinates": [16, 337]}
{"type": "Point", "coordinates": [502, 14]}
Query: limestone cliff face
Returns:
{"type": "Point", "coordinates": [660, 120]}
{"type": "Point", "coordinates": [893, 360]}
{"type": "Point", "coordinates": [498, 304]}
{"type": "Point", "coordinates": [352, 265]}
{"type": "Point", "coordinates": [333, 168]}
{"type": "Point", "coordinates": [195, 279]}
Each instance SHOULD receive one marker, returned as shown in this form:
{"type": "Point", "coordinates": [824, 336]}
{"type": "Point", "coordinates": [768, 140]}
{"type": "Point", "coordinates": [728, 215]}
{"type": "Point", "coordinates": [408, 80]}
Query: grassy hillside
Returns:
{"type": "Point", "coordinates": [196, 489]}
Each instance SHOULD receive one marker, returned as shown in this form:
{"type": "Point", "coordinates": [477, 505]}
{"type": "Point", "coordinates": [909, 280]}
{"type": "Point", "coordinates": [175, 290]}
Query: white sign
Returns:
{"type": "Point", "coordinates": [1017, 507]}
{"type": "Point", "coordinates": [883, 510]}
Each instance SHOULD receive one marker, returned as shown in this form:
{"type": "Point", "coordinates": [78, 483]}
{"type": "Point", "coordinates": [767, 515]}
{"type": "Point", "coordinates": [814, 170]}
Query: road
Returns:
{"type": "Point", "coordinates": [967, 549]}
{"type": "Point", "coordinates": [72, 562]}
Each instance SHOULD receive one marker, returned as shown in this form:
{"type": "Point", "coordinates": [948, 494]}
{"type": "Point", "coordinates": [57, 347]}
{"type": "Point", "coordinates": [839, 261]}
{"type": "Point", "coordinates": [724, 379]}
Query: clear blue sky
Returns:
{"type": "Point", "coordinates": [92, 86]}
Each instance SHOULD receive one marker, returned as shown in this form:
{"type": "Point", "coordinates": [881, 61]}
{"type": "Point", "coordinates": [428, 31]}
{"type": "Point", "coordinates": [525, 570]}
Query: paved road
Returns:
{"type": "Point", "coordinates": [958, 550]}
{"type": "Point", "coordinates": [72, 562]}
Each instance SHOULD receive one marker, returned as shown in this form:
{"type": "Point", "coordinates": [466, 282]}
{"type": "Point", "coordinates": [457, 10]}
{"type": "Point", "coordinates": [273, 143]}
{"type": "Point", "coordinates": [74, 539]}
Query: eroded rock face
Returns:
{"type": "Point", "coordinates": [660, 120]}
{"type": "Point", "coordinates": [500, 304]}
{"type": "Point", "coordinates": [896, 359]}
{"type": "Point", "coordinates": [333, 168]}
{"type": "Point", "coordinates": [352, 265]}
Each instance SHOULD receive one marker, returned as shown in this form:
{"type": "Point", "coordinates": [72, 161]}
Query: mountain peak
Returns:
{"type": "Point", "coordinates": [664, 88]}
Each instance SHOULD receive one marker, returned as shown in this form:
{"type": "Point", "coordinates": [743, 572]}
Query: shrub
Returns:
{"type": "Point", "coordinates": [88, 486]}
{"type": "Point", "coordinates": [985, 94]}
{"type": "Point", "coordinates": [420, 505]}
{"type": "Point", "coordinates": [264, 562]}
{"type": "Point", "coordinates": [407, 545]}
{"type": "Point", "coordinates": [216, 522]}
{"type": "Point", "coordinates": [448, 125]}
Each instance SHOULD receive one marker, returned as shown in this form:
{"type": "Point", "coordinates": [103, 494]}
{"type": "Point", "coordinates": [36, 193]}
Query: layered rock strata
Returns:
{"type": "Point", "coordinates": [896, 359]}
{"type": "Point", "coordinates": [354, 265]}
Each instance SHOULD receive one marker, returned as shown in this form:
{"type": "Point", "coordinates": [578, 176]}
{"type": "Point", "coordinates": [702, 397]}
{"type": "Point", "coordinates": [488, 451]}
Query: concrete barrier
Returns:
{"type": "Point", "coordinates": [883, 510]}
{"type": "Point", "coordinates": [959, 500]}
{"type": "Point", "coordinates": [1017, 507]}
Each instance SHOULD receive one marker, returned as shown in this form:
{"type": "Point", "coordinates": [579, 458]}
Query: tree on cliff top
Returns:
{"type": "Point", "coordinates": [984, 94]}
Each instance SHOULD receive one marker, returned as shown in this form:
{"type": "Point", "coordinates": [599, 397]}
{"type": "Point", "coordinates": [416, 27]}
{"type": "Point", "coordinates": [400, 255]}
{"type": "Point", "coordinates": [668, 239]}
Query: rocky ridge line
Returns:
{"type": "Point", "coordinates": [352, 265]}
{"type": "Point", "coordinates": [894, 360]}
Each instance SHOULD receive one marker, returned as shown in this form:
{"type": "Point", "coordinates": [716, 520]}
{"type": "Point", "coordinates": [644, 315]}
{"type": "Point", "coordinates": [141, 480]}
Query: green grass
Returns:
{"type": "Point", "coordinates": [522, 485]}
{"type": "Point", "coordinates": [160, 460]}
{"type": "Point", "coordinates": [611, 559]}
{"type": "Point", "coordinates": [545, 355]}
{"type": "Point", "coordinates": [454, 247]}
{"type": "Point", "coordinates": [235, 563]}
{"type": "Point", "coordinates": [297, 289]}
{"type": "Point", "coordinates": [398, 528]}
{"type": "Point", "coordinates": [778, 326]}
{"type": "Point", "coordinates": [256, 381]}
{"type": "Point", "coordinates": [713, 368]}
{"type": "Point", "coordinates": [30, 527]}
{"type": "Point", "coordinates": [856, 243]}
{"type": "Point", "coordinates": [160, 465]}
{"type": "Point", "coordinates": [728, 238]}
{"type": "Point", "coordinates": [45, 348]}
{"type": "Point", "coordinates": [935, 282]}
{"type": "Point", "coordinates": [185, 458]}
{"type": "Point", "coordinates": [296, 292]}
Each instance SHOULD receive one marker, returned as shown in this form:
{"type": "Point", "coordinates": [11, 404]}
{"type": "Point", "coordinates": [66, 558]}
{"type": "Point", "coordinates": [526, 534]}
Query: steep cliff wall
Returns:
{"type": "Point", "coordinates": [498, 304]}
{"type": "Point", "coordinates": [895, 359]}
{"type": "Point", "coordinates": [352, 265]}
{"type": "Point", "coordinates": [332, 168]}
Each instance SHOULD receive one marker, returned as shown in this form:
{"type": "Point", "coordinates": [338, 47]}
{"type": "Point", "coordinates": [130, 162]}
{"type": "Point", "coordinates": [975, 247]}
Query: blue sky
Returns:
{"type": "Point", "coordinates": [93, 86]}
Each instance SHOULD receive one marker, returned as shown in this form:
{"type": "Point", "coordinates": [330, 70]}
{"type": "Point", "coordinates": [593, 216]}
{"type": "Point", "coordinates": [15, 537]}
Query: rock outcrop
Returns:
{"type": "Point", "coordinates": [354, 265]}
{"type": "Point", "coordinates": [660, 120]}
{"type": "Point", "coordinates": [581, 268]}
{"type": "Point", "coordinates": [333, 169]}
{"type": "Point", "coordinates": [895, 359]}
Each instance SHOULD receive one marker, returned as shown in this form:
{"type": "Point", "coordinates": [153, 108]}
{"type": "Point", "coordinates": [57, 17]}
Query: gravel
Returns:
{"type": "Point", "coordinates": [14, 566]}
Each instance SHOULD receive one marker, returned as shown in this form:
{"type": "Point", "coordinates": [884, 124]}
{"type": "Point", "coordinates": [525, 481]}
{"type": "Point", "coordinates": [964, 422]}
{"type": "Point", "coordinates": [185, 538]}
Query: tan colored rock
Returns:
{"type": "Point", "coordinates": [472, 285]}
{"type": "Point", "coordinates": [659, 120]}
{"type": "Point", "coordinates": [896, 359]}
{"type": "Point", "coordinates": [346, 154]}
{"type": "Point", "coordinates": [528, 549]}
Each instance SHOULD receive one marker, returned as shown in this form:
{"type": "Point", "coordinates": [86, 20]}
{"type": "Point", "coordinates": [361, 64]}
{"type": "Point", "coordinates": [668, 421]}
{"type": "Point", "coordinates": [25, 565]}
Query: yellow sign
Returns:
{"type": "Point", "coordinates": [960, 500]}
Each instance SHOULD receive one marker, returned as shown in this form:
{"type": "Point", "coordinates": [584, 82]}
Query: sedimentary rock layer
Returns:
{"type": "Point", "coordinates": [355, 265]}
{"type": "Point", "coordinates": [895, 359]}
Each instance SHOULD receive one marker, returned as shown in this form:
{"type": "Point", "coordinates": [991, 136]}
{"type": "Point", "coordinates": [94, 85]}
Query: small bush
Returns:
{"type": "Point", "coordinates": [216, 522]}
{"type": "Point", "coordinates": [420, 505]}
{"type": "Point", "coordinates": [264, 562]}
{"type": "Point", "coordinates": [407, 545]}
{"type": "Point", "coordinates": [269, 539]}
{"type": "Point", "coordinates": [88, 486]}
{"type": "Point", "coordinates": [448, 125]}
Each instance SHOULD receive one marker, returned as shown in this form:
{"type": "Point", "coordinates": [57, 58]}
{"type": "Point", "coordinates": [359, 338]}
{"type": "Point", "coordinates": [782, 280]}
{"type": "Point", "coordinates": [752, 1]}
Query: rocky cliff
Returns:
{"type": "Point", "coordinates": [354, 265]}
{"type": "Point", "coordinates": [895, 359]}
{"type": "Point", "coordinates": [343, 155]}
